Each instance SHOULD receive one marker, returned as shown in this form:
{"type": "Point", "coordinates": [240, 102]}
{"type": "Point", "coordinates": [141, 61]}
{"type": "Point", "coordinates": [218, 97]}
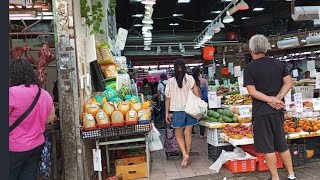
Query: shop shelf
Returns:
{"type": "Point", "coordinates": [213, 137]}
{"type": "Point", "coordinates": [261, 164]}
{"type": "Point", "coordinates": [117, 131]}
{"type": "Point", "coordinates": [215, 151]}
{"type": "Point", "coordinates": [241, 166]}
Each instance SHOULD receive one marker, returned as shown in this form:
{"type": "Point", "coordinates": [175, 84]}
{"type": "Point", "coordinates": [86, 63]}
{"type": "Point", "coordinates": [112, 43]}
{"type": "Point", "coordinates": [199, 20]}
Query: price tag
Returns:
{"type": "Point", "coordinates": [287, 100]}
{"type": "Point", "coordinates": [242, 89]}
{"type": "Point", "coordinates": [216, 82]}
{"type": "Point", "coordinates": [313, 73]}
{"type": "Point", "coordinates": [316, 104]}
{"type": "Point", "coordinates": [213, 100]}
{"type": "Point", "coordinates": [311, 65]}
{"type": "Point", "coordinates": [295, 73]}
{"type": "Point", "coordinates": [97, 160]}
{"type": "Point", "coordinates": [230, 68]}
{"type": "Point", "coordinates": [245, 111]}
{"type": "Point", "coordinates": [298, 102]}
{"type": "Point", "coordinates": [318, 80]}
{"type": "Point", "coordinates": [237, 71]}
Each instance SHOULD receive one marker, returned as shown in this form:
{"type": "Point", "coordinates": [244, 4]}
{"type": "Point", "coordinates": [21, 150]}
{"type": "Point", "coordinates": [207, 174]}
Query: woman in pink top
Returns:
{"type": "Point", "coordinates": [26, 141]}
{"type": "Point", "coordinates": [176, 92]}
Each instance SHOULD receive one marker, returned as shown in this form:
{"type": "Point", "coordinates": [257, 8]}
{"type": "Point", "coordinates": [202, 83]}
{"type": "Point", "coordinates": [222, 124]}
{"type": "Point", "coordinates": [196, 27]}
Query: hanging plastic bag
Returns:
{"type": "Point", "coordinates": [236, 154]}
{"type": "Point", "coordinates": [195, 106]}
{"type": "Point", "coordinates": [109, 93]}
{"type": "Point", "coordinates": [155, 143]}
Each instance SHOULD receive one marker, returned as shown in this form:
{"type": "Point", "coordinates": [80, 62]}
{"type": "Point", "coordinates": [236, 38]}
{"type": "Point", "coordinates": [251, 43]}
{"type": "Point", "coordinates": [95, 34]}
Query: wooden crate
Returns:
{"type": "Point", "coordinates": [131, 168]}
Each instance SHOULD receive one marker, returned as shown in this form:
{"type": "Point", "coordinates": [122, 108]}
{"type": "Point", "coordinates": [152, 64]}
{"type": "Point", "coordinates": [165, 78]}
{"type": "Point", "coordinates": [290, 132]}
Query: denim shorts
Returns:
{"type": "Point", "coordinates": [181, 120]}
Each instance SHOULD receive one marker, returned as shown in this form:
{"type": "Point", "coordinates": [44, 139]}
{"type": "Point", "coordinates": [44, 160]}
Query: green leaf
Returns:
{"type": "Point", "coordinates": [101, 31]}
{"type": "Point", "coordinates": [99, 4]}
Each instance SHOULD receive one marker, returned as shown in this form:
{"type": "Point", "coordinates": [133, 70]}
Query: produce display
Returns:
{"type": "Point", "coordinates": [221, 115]}
{"type": "Point", "coordinates": [238, 99]}
{"type": "Point", "coordinates": [115, 108]}
{"type": "Point", "coordinates": [238, 132]}
{"type": "Point", "coordinates": [294, 125]}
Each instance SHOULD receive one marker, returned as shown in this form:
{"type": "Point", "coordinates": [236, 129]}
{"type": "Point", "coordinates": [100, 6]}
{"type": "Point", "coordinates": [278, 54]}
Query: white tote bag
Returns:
{"type": "Point", "coordinates": [195, 106]}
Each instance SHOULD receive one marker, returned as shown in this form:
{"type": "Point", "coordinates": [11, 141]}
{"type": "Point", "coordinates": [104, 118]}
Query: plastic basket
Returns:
{"type": "Point", "coordinates": [241, 166]}
{"type": "Point", "coordinates": [311, 143]}
{"type": "Point", "coordinates": [298, 154]}
{"type": "Point", "coordinates": [117, 131]}
{"type": "Point", "coordinates": [215, 151]}
{"type": "Point", "coordinates": [261, 164]}
{"type": "Point", "coordinates": [214, 139]}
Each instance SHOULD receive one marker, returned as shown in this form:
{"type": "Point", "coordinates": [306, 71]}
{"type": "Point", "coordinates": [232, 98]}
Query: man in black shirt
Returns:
{"type": "Point", "coordinates": [268, 82]}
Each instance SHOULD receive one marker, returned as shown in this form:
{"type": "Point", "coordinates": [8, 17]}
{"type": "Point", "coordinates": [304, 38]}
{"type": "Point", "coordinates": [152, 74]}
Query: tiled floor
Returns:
{"type": "Point", "coordinates": [163, 169]}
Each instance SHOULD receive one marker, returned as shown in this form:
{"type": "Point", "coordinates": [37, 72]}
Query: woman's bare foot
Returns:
{"type": "Point", "coordinates": [185, 161]}
{"type": "Point", "coordinates": [202, 137]}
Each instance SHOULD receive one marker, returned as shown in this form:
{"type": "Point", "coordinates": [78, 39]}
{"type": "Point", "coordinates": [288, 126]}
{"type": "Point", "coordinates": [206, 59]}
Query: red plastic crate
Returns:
{"type": "Point", "coordinates": [241, 166]}
{"type": "Point", "coordinates": [261, 164]}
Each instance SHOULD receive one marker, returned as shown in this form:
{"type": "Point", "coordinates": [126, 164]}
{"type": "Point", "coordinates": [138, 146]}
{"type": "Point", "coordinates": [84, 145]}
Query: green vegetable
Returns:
{"type": "Point", "coordinates": [233, 92]}
{"type": "Point", "coordinates": [227, 113]}
{"type": "Point", "coordinates": [124, 91]}
{"type": "Point", "coordinates": [220, 119]}
{"type": "Point", "coordinates": [215, 115]}
{"type": "Point", "coordinates": [204, 118]}
{"type": "Point", "coordinates": [227, 119]}
{"type": "Point", "coordinates": [220, 111]}
{"type": "Point", "coordinates": [210, 113]}
{"type": "Point", "coordinates": [212, 119]}
{"type": "Point", "coordinates": [234, 119]}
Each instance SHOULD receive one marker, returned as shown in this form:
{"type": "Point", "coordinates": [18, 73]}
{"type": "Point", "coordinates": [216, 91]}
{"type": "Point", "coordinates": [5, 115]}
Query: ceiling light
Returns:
{"type": "Point", "coordinates": [147, 39]}
{"type": "Point", "coordinates": [174, 24]}
{"type": "Point", "coordinates": [183, 1]}
{"type": "Point", "coordinates": [147, 20]}
{"type": "Point", "coordinates": [149, 11]}
{"type": "Point", "coordinates": [148, 6]}
{"type": "Point", "coordinates": [208, 35]}
{"type": "Point", "coordinates": [181, 48]}
{"type": "Point", "coordinates": [31, 18]}
{"type": "Point", "coordinates": [258, 9]}
{"type": "Point", "coordinates": [242, 5]}
{"type": "Point", "coordinates": [147, 48]}
{"type": "Point", "coordinates": [137, 15]}
{"type": "Point", "coordinates": [216, 12]}
{"type": "Point", "coordinates": [158, 50]}
{"type": "Point", "coordinates": [177, 15]}
{"type": "Point", "coordinates": [196, 47]}
{"type": "Point", "coordinates": [137, 25]}
{"type": "Point", "coordinates": [228, 18]}
{"type": "Point", "coordinates": [146, 32]}
{"type": "Point", "coordinates": [226, 0]}
{"type": "Point", "coordinates": [135, 1]}
{"type": "Point", "coordinates": [147, 43]}
{"type": "Point", "coordinates": [147, 26]}
{"type": "Point", "coordinates": [148, 2]}
{"type": "Point", "coordinates": [216, 28]}
{"type": "Point", "coordinates": [147, 35]}
{"type": "Point", "coordinates": [244, 18]}
{"type": "Point", "coordinates": [207, 21]}
{"type": "Point", "coordinates": [220, 24]}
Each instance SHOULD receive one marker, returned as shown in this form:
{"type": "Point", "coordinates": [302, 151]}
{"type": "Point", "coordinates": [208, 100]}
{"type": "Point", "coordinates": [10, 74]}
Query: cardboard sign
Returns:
{"type": "Point", "coordinates": [313, 73]}
{"type": "Point", "coordinates": [245, 111]}
{"type": "Point", "coordinates": [316, 104]}
{"type": "Point", "coordinates": [295, 73]}
{"type": "Point", "coordinates": [242, 89]}
{"type": "Point", "coordinates": [97, 166]}
{"type": "Point", "coordinates": [213, 100]}
{"type": "Point", "coordinates": [121, 39]}
{"type": "Point", "coordinates": [298, 102]}
{"type": "Point", "coordinates": [306, 91]}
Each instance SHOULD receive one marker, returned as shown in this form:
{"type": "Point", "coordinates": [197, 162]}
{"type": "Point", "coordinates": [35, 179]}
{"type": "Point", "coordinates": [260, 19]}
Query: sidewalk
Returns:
{"type": "Point", "coordinates": [163, 169]}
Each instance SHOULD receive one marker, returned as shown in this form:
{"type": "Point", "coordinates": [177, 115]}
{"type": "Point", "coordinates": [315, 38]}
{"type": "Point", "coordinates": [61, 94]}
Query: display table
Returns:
{"type": "Point", "coordinates": [108, 145]}
{"type": "Point", "coordinates": [216, 125]}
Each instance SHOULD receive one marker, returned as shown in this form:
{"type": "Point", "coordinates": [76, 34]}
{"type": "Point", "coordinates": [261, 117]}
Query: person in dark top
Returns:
{"type": "Point", "coordinates": [307, 75]}
{"type": "Point", "coordinates": [268, 82]}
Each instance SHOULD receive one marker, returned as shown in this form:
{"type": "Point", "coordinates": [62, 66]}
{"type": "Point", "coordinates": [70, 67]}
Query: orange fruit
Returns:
{"type": "Point", "coordinates": [315, 128]}
{"type": "Point", "coordinates": [292, 130]}
{"type": "Point", "coordinates": [298, 129]}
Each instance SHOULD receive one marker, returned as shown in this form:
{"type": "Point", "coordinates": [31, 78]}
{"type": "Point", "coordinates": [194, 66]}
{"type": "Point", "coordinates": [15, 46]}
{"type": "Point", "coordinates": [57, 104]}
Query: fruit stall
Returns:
{"type": "Point", "coordinates": [229, 125]}
{"type": "Point", "coordinates": [118, 119]}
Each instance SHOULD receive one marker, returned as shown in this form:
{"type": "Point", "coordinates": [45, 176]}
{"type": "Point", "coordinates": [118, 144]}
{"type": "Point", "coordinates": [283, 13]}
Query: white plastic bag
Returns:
{"type": "Point", "coordinates": [237, 154]}
{"type": "Point", "coordinates": [155, 143]}
{"type": "Point", "coordinates": [195, 106]}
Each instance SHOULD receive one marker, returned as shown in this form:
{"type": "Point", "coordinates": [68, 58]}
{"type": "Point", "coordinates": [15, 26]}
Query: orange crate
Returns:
{"type": "Point", "coordinates": [131, 168]}
{"type": "Point", "coordinates": [261, 164]}
{"type": "Point", "coordinates": [240, 166]}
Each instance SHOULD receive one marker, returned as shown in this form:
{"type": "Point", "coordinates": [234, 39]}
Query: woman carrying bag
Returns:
{"type": "Point", "coordinates": [177, 91]}
{"type": "Point", "coordinates": [30, 109]}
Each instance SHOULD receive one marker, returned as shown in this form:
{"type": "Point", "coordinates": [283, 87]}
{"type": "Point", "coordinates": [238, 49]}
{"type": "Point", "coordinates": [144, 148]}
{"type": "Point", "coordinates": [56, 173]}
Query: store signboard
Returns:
{"type": "Point", "coordinates": [287, 99]}
{"type": "Point", "coordinates": [316, 104]}
{"type": "Point", "coordinates": [298, 102]}
{"type": "Point", "coordinates": [97, 160]}
{"type": "Point", "coordinates": [214, 101]}
{"type": "Point", "coordinates": [245, 111]}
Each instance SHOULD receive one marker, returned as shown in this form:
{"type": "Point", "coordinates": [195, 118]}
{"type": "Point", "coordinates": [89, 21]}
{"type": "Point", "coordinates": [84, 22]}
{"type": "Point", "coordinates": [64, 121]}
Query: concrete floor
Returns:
{"type": "Point", "coordinates": [163, 169]}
